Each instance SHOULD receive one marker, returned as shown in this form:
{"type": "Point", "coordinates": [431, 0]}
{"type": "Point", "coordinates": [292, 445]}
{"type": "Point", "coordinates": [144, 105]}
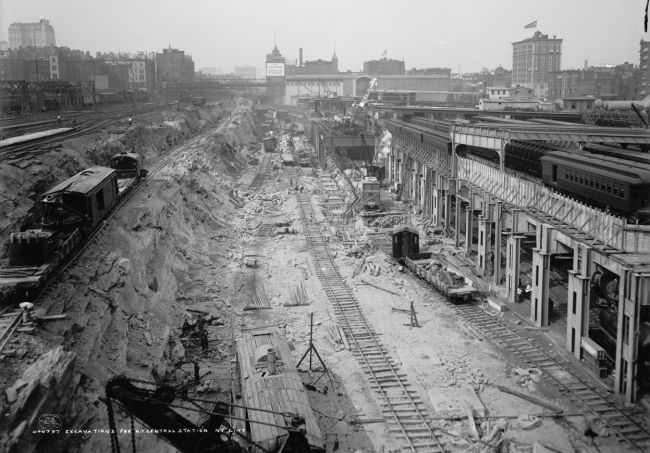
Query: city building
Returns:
{"type": "Point", "coordinates": [626, 81]}
{"type": "Point", "coordinates": [141, 74]}
{"type": "Point", "coordinates": [430, 71]}
{"type": "Point", "coordinates": [246, 71]}
{"type": "Point", "coordinates": [532, 60]}
{"type": "Point", "coordinates": [313, 67]}
{"type": "Point", "coordinates": [384, 66]}
{"type": "Point", "coordinates": [501, 92]}
{"type": "Point", "coordinates": [349, 84]}
{"type": "Point", "coordinates": [597, 82]}
{"type": "Point", "coordinates": [304, 86]}
{"type": "Point", "coordinates": [173, 66]}
{"type": "Point", "coordinates": [275, 76]}
{"type": "Point", "coordinates": [37, 34]}
{"type": "Point", "coordinates": [644, 69]}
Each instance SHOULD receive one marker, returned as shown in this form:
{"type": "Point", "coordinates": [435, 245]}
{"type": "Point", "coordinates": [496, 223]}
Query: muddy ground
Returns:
{"type": "Point", "coordinates": [183, 245]}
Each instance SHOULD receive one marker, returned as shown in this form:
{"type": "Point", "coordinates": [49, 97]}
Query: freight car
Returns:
{"type": "Point", "coordinates": [406, 249]}
{"type": "Point", "coordinates": [604, 181]}
{"type": "Point", "coordinates": [270, 144]}
{"type": "Point", "coordinates": [270, 381]}
{"type": "Point", "coordinates": [70, 212]}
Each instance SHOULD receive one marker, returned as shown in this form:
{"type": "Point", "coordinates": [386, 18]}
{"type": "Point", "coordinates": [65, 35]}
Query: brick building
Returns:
{"type": "Point", "coordinates": [532, 60]}
{"type": "Point", "coordinates": [172, 65]}
{"type": "Point", "coordinates": [384, 66]}
{"type": "Point", "coordinates": [36, 34]}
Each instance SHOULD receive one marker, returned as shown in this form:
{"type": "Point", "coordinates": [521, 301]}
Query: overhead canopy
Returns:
{"type": "Point", "coordinates": [487, 133]}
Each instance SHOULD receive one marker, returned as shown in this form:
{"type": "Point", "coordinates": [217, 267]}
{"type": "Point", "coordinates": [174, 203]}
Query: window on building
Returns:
{"type": "Point", "coordinates": [621, 192]}
{"type": "Point", "coordinates": [626, 329]}
{"type": "Point", "coordinates": [615, 190]}
{"type": "Point", "coordinates": [573, 339]}
{"type": "Point", "coordinates": [609, 187]}
{"type": "Point", "coordinates": [536, 275]}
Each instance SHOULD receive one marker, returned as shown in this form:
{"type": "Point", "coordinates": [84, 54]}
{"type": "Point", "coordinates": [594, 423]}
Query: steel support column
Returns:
{"type": "Point", "coordinates": [484, 234]}
{"type": "Point", "coordinates": [513, 262]}
{"type": "Point", "coordinates": [539, 297]}
{"type": "Point", "coordinates": [469, 228]}
{"type": "Point", "coordinates": [498, 226]}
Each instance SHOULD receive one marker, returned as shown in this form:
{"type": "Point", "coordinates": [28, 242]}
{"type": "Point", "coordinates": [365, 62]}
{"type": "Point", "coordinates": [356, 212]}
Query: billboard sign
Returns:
{"type": "Point", "coordinates": [274, 69]}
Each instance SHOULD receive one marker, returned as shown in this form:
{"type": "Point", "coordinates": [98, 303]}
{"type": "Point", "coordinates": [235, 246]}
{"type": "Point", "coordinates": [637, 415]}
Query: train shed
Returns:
{"type": "Point", "coordinates": [516, 230]}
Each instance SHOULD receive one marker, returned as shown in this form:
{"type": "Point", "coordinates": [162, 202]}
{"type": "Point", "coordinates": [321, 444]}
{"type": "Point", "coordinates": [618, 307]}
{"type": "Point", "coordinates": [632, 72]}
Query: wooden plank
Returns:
{"type": "Point", "coordinates": [470, 417]}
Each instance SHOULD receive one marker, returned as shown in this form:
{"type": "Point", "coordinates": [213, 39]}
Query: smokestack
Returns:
{"type": "Point", "coordinates": [300, 57]}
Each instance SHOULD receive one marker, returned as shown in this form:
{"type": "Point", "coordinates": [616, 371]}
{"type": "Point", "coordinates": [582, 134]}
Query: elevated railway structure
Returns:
{"type": "Point", "coordinates": [497, 214]}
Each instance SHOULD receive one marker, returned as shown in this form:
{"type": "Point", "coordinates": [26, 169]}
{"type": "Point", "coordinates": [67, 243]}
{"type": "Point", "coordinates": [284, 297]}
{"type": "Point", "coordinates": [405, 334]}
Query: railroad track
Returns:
{"type": "Point", "coordinates": [262, 172]}
{"type": "Point", "coordinates": [265, 229]}
{"type": "Point", "coordinates": [631, 425]}
{"type": "Point", "coordinates": [98, 120]}
{"type": "Point", "coordinates": [402, 407]}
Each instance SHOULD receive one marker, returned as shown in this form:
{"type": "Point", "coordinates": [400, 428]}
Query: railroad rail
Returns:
{"type": "Point", "coordinates": [99, 120]}
{"type": "Point", "coordinates": [262, 172]}
{"type": "Point", "coordinates": [403, 409]}
{"type": "Point", "coordinates": [631, 425]}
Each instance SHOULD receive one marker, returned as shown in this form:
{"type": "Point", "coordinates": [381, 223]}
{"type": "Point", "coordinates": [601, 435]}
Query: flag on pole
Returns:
{"type": "Point", "coordinates": [385, 52]}
{"type": "Point", "coordinates": [531, 25]}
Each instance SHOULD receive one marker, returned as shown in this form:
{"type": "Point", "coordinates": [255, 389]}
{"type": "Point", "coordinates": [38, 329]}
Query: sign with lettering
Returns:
{"type": "Point", "coordinates": [274, 69]}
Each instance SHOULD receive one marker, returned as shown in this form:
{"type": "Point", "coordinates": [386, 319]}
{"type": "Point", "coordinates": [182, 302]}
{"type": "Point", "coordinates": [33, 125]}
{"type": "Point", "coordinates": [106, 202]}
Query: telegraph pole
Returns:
{"type": "Point", "coordinates": [94, 83]}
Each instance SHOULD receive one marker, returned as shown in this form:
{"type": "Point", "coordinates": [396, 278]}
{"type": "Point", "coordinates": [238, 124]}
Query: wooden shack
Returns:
{"type": "Point", "coordinates": [271, 381]}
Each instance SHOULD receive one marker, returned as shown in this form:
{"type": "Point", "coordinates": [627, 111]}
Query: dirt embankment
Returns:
{"type": "Point", "coordinates": [125, 299]}
{"type": "Point", "coordinates": [149, 136]}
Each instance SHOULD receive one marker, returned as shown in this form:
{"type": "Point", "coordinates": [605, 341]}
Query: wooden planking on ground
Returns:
{"type": "Point", "coordinates": [283, 392]}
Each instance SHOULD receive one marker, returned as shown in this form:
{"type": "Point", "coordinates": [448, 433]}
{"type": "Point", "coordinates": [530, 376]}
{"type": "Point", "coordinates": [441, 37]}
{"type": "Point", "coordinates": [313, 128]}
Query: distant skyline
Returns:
{"type": "Point", "coordinates": [469, 35]}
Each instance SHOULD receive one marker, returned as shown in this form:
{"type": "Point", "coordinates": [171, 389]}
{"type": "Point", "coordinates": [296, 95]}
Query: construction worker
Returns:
{"type": "Point", "coordinates": [27, 308]}
{"type": "Point", "coordinates": [130, 121]}
{"type": "Point", "coordinates": [59, 120]}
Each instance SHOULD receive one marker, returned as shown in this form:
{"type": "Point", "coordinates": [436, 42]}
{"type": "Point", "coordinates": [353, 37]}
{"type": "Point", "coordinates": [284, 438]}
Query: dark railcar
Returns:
{"type": "Point", "coordinates": [128, 165]}
{"type": "Point", "coordinates": [82, 200]}
{"type": "Point", "coordinates": [601, 180]}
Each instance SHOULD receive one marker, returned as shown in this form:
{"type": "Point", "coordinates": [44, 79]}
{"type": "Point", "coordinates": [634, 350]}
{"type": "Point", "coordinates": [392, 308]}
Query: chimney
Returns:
{"type": "Point", "coordinates": [300, 57]}
{"type": "Point", "coordinates": [585, 64]}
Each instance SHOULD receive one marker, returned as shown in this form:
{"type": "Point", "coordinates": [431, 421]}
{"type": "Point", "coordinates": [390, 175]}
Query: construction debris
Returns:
{"type": "Point", "coordinates": [298, 296]}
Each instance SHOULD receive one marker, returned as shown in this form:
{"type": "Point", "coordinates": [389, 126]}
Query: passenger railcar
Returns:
{"type": "Point", "coordinates": [603, 181]}
{"type": "Point", "coordinates": [271, 381]}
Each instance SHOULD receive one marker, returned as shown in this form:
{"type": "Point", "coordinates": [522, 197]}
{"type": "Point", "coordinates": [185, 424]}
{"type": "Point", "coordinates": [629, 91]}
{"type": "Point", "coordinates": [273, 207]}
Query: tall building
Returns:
{"type": "Point", "coordinates": [644, 80]}
{"type": "Point", "coordinates": [38, 34]}
{"type": "Point", "coordinates": [172, 65]}
{"type": "Point", "coordinates": [275, 76]}
{"type": "Point", "coordinates": [533, 58]}
{"type": "Point", "coordinates": [384, 66]}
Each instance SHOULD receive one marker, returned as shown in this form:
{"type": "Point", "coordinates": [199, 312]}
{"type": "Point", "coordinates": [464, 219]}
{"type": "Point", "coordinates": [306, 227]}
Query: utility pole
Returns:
{"type": "Point", "coordinates": [94, 77]}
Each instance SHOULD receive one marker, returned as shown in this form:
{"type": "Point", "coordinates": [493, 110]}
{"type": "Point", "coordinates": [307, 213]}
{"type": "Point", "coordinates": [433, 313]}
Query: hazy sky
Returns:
{"type": "Point", "coordinates": [471, 34]}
